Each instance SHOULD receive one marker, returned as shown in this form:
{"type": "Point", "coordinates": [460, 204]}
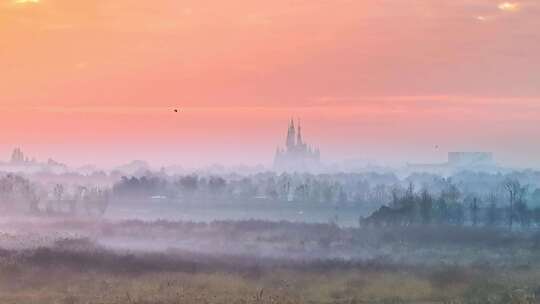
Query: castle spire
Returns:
{"type": "Point", "coordinates": [299, 139]}
{"type": "Point", "coordinates": [291, 136]}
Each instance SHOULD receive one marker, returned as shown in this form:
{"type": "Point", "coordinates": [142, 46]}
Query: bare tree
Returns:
{"type": "Point", "coordinates": [474, 208]}
{"type": "Point", "coordinates": [58, 194]}
{"type": "Point", "coordinates": [516, 194]}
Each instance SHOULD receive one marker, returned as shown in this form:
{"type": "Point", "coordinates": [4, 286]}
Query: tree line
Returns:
{"type": "Point", "coordinates": [451, 207]}
{"type": "Point", "coordinates": [365, 189]}
{"type": "Point", "coordinates": [20, 195]}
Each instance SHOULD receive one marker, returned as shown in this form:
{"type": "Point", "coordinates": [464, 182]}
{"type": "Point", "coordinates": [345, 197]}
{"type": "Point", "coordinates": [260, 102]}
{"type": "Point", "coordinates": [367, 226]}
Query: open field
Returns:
{"type": "Point", "coordinates": [51, 276]}
{"type": "Point", "coordinates": [75, 261]}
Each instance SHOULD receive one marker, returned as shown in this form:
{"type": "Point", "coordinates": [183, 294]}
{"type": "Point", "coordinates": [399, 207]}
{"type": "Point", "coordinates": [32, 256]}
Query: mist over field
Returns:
{"type": "Point", "coordinates": [465, 230]}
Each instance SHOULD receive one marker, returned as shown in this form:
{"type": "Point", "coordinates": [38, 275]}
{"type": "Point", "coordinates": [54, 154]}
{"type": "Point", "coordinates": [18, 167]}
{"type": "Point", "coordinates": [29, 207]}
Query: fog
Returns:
{"type": "Point", "coordinates": [496, 198]}
{"type": "Point", "coordinates": [458, 224]}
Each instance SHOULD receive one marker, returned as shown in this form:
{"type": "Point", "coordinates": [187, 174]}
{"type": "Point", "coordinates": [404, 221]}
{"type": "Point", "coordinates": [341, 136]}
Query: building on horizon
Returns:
{"type": "Point", "coordinates": [467, 159]}
{"type": "Point", "coordinates": [297, 154]}
{"type": "Point", "coordinates": [19, 158]}
{"type": "Point", "coordinates": [458, 161]}
{"type": "Point", "coordinates": [19, 162]}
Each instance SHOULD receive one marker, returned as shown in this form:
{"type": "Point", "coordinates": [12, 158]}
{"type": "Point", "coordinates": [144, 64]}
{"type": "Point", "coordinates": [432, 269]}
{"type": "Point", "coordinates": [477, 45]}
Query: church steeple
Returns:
{"type": "Point", "coordinates": [291, 136]}
{"type": "Point", "coordinates": [299, 140]}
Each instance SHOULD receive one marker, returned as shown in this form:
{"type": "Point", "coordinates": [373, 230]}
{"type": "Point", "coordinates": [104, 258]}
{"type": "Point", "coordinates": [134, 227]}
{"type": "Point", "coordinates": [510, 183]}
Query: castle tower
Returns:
{"type": "Point", "coordinates": [291, 134]}
{"type": "Point", "coordinates": [299, 141]}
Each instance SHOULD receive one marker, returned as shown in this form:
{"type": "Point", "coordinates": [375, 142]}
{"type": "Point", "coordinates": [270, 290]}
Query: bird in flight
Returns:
{"type": "Point", "coordinates": [175, 110]}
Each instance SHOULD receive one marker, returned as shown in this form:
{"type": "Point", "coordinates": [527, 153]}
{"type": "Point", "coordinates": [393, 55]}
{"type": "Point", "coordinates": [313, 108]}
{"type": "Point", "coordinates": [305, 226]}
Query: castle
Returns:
{"type": "Point", "coordinates": [297, 155]}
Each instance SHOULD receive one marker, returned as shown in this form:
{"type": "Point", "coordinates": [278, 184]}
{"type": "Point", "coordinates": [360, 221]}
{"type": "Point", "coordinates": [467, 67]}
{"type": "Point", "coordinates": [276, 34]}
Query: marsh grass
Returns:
{"type": "Point", "coordinates": [23, 280]}
{"type": "Point", "coordinates": [444, 265]}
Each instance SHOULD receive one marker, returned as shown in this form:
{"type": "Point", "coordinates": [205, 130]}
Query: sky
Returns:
{"type": "Point", "coordinates": [96, 81]}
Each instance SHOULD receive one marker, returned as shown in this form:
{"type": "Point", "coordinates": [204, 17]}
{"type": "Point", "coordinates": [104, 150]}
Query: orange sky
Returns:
{"type": "Point", "coordinates": [94, 81]}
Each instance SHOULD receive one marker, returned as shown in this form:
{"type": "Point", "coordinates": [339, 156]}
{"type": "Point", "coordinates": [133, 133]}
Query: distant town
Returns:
{"type": "Point", "coordinates": [297, 155]}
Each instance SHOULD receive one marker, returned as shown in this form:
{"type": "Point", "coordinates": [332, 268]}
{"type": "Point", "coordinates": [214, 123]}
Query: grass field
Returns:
{"type": "Point", "coordinates": [449, 265]}
{"type": "Point", "coordinates": [30, 284]}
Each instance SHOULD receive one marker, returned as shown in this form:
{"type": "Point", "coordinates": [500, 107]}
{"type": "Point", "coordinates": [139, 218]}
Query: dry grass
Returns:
{"type": "Point", "coordinates": [446, 266]}
{"type": "Point", "coordinates": [31, 284]}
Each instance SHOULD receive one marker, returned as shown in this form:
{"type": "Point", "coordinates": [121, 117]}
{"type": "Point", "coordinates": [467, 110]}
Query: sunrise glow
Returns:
{"type": "Point", "coordinates": [26, 1]}
{"type": "Point", "coordinates": [81, 74]}
{"type": "Point", "coordinates": [508, 6]}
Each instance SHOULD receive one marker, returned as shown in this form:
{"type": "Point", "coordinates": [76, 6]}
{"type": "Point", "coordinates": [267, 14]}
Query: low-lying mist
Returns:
{"type": "Point", "coordinates": [270, 238]}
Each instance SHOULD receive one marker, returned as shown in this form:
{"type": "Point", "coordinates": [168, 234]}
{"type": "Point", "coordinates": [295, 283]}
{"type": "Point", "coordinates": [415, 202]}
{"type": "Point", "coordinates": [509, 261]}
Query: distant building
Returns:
{"type": "Point", "coordinates": [297, 154]}
{"type": "Point", "coordinates": [18, 157]}
{"type": "Point", "coordinates": [466, 159]}
{"type": "Point", "coordinates": [19, 162]}
{"type": "Point", "coordinates": [476, 161]}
